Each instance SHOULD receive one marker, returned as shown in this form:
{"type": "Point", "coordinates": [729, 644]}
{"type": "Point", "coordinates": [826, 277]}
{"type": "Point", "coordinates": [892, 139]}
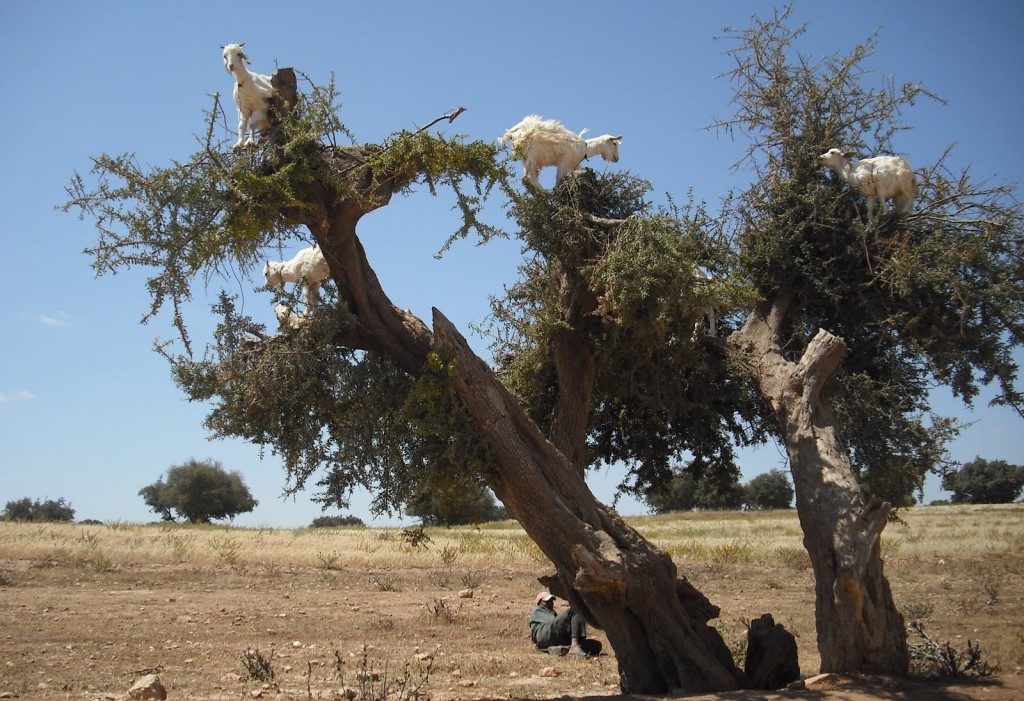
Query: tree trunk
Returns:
{"type": "Point", "coordinates": [859, 628]}
{"type": "Point", "coordinates": [655, 620]}
{"type": "Point", "coordinates": [576, 369]}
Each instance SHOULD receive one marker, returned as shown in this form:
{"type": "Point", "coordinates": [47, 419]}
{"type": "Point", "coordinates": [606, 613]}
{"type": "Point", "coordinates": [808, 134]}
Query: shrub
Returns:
{"type": "Point", "coordinates": [28, 510]}
{"type": "Point", "coordinates": [336, 521]}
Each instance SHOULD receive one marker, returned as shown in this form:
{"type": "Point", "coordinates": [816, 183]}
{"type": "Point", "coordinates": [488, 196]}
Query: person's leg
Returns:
{"type": "Point", "coordinates": [577, 626]}
{"type": "Point", "coordinates": [580, 641]}
{"type": "Point", "coordinates": [562, 628]}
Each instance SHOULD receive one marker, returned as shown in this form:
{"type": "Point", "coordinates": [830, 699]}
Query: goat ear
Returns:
{"type": "Point", "coordinates": [849, 154]}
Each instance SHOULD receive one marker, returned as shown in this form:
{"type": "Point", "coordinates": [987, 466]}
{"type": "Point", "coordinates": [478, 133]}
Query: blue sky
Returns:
{"type": "Point", "coordinates": [88, 411]}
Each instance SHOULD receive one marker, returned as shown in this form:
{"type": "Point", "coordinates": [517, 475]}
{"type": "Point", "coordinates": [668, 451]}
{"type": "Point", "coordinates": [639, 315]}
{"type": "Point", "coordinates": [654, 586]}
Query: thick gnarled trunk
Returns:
{"type": "Point", "coordinates": [655, 621]}
{"type": "Point", "coordinates": [859, 628]}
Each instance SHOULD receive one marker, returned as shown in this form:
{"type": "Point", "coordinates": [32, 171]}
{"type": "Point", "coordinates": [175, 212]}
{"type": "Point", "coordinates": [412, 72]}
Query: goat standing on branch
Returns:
{"type": "Point", "coordinates": [308, 268]}
{"type": "Point", "coordinates": [879, 179]}
{"type": "Point", "coordinates": [545, 142]}
{"type": "Point", "coordinates": [252, 93]}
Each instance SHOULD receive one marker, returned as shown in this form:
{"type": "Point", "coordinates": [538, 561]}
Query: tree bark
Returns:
{"type": "Point", "coordinates": [655, 620]}
{"type": "Point", "coordinates": [575, 368]}
{"type": "Point", "coordinates": [858, 625]}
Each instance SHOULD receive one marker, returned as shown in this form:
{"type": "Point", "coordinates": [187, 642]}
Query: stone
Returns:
{"type": "Point", "coordinates": [148, 687]}
{"type": "Point", "coordinates": [771, 661]}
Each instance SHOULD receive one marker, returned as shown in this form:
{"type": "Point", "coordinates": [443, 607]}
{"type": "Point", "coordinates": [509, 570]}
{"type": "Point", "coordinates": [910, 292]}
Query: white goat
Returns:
{"type": "Point", "coordinates": [708, 311]}
{"type": "Point", "coordinates": [287, 316]}
{"type": "Point", "coordinates": [308, 267]}
{"type": "Point", "coordinates": [545, 142]}
{"type": "Point", "coordinates": [879, 179]}
{"type": "Point", "coordinates": [252, 93]}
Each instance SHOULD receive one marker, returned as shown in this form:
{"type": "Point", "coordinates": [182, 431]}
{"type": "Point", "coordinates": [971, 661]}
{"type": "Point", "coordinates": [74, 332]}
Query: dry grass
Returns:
{"type": "Point", "coordinates": [85, 608]}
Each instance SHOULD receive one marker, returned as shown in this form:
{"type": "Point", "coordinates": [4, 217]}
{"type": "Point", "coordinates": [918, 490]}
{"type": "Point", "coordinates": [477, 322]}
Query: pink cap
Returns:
{"type": "Point", "coordinates": [544, 596]}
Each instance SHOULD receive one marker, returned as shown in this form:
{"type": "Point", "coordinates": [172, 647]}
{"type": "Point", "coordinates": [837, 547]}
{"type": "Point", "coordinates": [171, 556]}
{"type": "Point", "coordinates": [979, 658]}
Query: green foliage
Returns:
{"type": "Point", "coordinates": [216, 213]}
{"type": "Point", "coordinates": [336, 521]}
{"type": "Point", "coordinates": [26, 509]}
{"type": "Point", "coordinates": [937, 295]}
{"type": "Point", "coordinates": [407, 158]}
{"type": "Point", "coordinates": [688, 489]}
{"type": "Point", "coordinates": [985, 482]}
{"type": "Point", "coordinates": [199, 492]}
{"type": "Point", "coordinates": [600, 244]}
{"type": "Point", "coordinates": [453, 502]}
{"type": "Point", "coordinates": [770, 490]}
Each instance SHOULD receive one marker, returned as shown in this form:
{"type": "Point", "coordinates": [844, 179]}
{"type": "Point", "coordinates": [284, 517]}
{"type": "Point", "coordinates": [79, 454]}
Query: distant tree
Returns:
{"type": "Point", "coordinates": [985, 482]}
{"type": "Point", "coordinates": [335, 521]}
{"type": "Point", "coordinates": [158, 498]}
{"type": "Point", "coordinates": [455, 504]}
{"type": "Point", "coordinates": [199, 492]}
{"type": "Point", "coordinates": [678, 494]}
{"type": "Point", "coordinates": [719, 495]}
{"type": "Point", "coordinates": [28, 510]}
{"type": "Point", "coordinates": [685, 491]}
{"type": "Point", "coordinates": [770, 490]}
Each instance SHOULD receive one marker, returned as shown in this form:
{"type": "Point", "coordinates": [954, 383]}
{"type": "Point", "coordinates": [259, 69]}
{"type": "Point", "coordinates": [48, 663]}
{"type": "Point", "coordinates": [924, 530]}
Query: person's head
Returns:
{"type": "Point", "coordinates": [545, 599]}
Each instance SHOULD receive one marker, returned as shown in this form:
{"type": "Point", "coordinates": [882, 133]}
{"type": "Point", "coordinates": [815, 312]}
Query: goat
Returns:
{"type": "Point", "coordinates": [308, 267]}
{"type": "Point", "coordinates": [879, 179]}
{"type": "Point", "coordinates": [252, 93]}
{"type": "Point", "coordinates": [545, 142]}
{"type": "Point", "coordinates": [708, 311]}
{"type": "Point", "coordinates": [287, 317]}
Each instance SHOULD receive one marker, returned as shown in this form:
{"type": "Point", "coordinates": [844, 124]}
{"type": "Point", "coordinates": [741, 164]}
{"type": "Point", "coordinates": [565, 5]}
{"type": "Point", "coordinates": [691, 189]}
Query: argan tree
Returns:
{"type": "Point", "coordinates": [985, 482]}
{"type": "Point", "coordinates": [199, 492]}
{"type": "Point", "coordinates": [365, 393]}
{"type": "Point", "coordinates": [27, 509]}
{"type": "Point", "coordinates": [860, 314]}
{"type": "Point", "coordinates": [770, 490]}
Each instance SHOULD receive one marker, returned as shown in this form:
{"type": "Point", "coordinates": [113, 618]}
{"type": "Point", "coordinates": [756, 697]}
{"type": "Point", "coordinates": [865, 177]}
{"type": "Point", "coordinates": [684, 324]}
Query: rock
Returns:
{"type": "Point", "coordinates": [822, 681]}
{"type": "Point", "coordinates": [467, 683]}
{"type": "Point", "coordinates": [148, 687]}
{"type": "Point", "coordinates": [231, 678]}
{"type": "Point", "coordinates": [771, 661]}
{"type": "Point", "coordinates": [466, 594]}
{"type": "Point", "coordinates": [550, 672]}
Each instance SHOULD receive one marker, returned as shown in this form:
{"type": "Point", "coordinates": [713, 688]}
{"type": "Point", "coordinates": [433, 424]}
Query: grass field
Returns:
{"type": "Point", "coordinates": [87, 608]}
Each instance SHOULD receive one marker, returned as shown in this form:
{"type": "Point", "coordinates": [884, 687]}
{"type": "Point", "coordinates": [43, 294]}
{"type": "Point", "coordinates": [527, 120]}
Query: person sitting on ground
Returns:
{"type": "Point", "coordinates": [565, 633]}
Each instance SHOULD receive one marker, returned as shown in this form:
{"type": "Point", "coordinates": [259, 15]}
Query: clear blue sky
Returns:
{"type": "Point", "coordinates": [88, 411]}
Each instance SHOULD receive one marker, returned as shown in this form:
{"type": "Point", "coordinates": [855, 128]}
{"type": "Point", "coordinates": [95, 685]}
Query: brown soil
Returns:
{"type": "Point", "coordinates": [76, 633]}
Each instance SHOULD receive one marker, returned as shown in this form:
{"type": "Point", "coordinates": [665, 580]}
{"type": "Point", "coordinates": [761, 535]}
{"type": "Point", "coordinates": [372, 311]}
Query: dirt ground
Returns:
{"type": "Point", "coordinates": [77, 633]}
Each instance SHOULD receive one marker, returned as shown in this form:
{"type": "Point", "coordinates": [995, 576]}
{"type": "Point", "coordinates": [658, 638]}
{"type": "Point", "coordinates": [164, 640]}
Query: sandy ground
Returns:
{"type": "Point", "coordinates": [70, 632]}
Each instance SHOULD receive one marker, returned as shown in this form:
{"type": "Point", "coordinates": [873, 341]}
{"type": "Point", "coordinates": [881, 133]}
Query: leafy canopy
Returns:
{"type": "Point", "coordinates": [27, 509]}
{"type": "Point", "coordinates": [985, 482]}
{"type": "Point", "coordinates": [199, 492]}
{"type": "Point", "coordinates": [934, 296]}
